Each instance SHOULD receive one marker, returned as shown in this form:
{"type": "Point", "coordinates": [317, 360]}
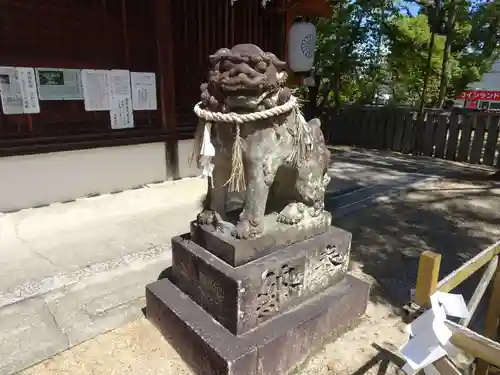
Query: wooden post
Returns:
{"type": "Point", "coordinates": [428, 277]}
{"type": "Point", "coordinates": [492, 321]}
{"type": "Point", "coordinates": [165, 46]}
{"type": "Point", "coordinates": [446, 367]}
{"type": "Point", "coordinates": [289, 17]}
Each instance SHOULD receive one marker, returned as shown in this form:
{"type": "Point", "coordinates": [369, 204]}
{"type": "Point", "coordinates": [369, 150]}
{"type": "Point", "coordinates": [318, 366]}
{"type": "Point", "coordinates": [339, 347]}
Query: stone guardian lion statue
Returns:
{"type": "Point", "coordinates": [252, 137]}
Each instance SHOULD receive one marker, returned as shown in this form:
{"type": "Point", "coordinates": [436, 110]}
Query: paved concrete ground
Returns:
{"type": "Point", "coordinates": [69, 272]}
{"type": "Point", "coordinates": [455, 217]}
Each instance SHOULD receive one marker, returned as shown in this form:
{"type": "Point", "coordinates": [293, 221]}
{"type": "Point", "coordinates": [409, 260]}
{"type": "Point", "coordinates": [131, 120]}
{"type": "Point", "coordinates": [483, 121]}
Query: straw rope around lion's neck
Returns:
{"type": "Point", "coordinates": [236, 180]}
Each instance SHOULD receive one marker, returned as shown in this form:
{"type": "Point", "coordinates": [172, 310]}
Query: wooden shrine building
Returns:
{"type": "Point", "coordinates": [65, 152]}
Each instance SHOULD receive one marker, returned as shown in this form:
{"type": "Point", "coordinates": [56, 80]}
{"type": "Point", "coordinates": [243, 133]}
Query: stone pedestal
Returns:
{"type": "Point", "coordinates": [257, 306]}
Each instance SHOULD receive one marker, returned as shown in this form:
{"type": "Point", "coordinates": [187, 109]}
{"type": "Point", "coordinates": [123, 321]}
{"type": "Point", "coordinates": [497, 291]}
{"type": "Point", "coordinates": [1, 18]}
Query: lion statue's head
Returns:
{"type": "Point", "coordinates": [244, 78]}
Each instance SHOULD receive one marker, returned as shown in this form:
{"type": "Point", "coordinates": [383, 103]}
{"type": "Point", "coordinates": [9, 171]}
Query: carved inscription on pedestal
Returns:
{"type": "Point", "coordinates": [278, 286]}
{"type": "Point", "coordinates": [212, 292]}
{"type": "Point", "coordinates": [201, 282]}
{"type": "Point", "coordinates": [185, 266]}
{"type": "Point", "coordinates": [328, 264]}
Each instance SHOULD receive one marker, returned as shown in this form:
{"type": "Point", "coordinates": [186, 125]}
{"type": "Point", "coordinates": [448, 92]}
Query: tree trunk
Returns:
{"type": "Point", "coordinates": [312, 108]}
{"type": "Point", "coordinates": [445, 66]}
{"type": "Point", "coordinates": [336, 92]}
{"type": "Point", "coordinates": [427, 74]}
{"type": "Point", "coordinates": [312, 102]}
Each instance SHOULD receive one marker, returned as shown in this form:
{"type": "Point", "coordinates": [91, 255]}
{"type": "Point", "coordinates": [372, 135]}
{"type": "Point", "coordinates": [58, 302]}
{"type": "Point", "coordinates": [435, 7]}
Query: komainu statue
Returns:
{"type": "Point", "coordinates": [252, 137]}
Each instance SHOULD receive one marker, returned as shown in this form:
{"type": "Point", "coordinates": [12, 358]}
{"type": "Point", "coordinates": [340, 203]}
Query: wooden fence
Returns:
{"type": "Point", "coordinates": [483, 347]}
{"type": "Point", "coordinates": [459, 135]}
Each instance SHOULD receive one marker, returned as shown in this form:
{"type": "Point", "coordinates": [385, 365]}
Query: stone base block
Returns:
{"type": "Point", "coordinates": [273, 348]}
{"type": "Point", "coordinates": [276, 236]}
{"type": "Point", "coordinates": [241, 298]}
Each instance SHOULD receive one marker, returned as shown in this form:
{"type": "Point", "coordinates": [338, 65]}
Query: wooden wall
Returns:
{"type": "Point", "coordinates": [172, 38]}
{"type": "Point", "coordinates": [95, 34]}
{"type": "Point", "coordinates": [201, 28]}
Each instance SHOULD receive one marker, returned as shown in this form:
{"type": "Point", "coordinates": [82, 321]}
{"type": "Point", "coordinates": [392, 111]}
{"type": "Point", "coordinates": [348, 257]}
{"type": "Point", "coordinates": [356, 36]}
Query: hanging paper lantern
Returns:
{"type": "Point", "coordinates": [301, 46]}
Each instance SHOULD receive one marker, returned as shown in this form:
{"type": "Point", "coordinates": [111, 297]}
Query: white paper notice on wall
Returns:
{"type": "Point", "coordinates": [10, 91]}
{"type": "Point", "coordinates": [59, 84]}
{"type": "Point", "coordinates": [143, 91]}
{"type": "Point", "coordinates": [96, 90]}
{"type": "Point", "coordinates": [29, 91]}
{"type": "Point", "coordinates": [121, 113]}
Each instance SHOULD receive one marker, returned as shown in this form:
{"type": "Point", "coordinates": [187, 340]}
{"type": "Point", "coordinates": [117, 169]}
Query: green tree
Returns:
{"type": "Point", "coordinates": [475, 46]}
{"type": "Point", "coordinates": [348, 55]}
{"type": "Point", "coordinates": [471, 30]}
{"type": "Point", "coordinates": [467, 49]}
{"type": "Point", "coordinates": [472, 38]}
{"type": "Point", "coordinates": [408, 39]}
{"type": "Point", "coordinates": [369, 45]}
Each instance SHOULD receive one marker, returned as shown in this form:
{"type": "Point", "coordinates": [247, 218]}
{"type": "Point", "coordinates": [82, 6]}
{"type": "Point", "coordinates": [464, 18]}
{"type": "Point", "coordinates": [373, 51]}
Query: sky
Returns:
{"type": "Point", "coordinates": [413, 8]}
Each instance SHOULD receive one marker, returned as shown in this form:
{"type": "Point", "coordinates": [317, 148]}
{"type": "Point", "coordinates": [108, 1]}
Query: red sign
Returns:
{"type": "Point", "coordinates": [480, 95]}
{"type": "Point", "coordinates": [471, 105]}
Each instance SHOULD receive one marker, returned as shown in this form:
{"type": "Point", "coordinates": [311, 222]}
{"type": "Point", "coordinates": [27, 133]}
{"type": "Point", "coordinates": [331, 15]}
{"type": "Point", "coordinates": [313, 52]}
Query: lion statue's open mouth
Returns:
{"type": "Point", "coordinates": [245, 78]}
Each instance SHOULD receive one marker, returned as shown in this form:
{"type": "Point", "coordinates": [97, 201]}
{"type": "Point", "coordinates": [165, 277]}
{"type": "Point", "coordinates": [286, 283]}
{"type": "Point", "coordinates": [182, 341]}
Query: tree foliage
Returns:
{"type": "Point", "coordinates": [407, 61]}
{"type": "Point", "coordinates": [476, 46]}
{"type": "Point", "coordinates": [368, 47]}
{"type": "Point", "coordinates": [348, 52]}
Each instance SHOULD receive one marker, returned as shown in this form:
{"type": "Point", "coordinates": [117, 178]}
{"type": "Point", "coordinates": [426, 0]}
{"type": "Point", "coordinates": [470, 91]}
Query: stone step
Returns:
{"type": "Point", "coordinates": [39, 327]}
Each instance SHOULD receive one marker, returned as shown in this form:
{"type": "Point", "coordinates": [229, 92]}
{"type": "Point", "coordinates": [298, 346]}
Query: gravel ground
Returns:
{"type": "Point", "coordinates": [457, 218]}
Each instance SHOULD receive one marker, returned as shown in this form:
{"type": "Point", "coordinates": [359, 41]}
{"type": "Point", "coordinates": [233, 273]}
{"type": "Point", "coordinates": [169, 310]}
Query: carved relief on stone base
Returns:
{"type": "Point", "coordinates": [306, 276]}
{"type": "Point", "coordinates": [243, 297]}
{"type": "Point", "coordinates": [278, 286]}
{"type": "Point", "coordinates": [326, 265]}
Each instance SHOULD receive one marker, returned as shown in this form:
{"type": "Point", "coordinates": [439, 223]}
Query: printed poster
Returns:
{"type": "Point", "coordinates": [29, 92]}
{"type": "Point", "coordinates": [59, 84]}
{"type": "Point", "coordinates": [143, 91]}
{"type": "Point", "coordinates": [10, 91]}
{"type": "Point", "coordinates": [96, 89]}
{"type": "Point", "coordinates": [120, 95]}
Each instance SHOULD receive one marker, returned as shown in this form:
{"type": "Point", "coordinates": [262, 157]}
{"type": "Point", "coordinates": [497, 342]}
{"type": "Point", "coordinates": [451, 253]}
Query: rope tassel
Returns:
{"type": "Point", "coordinates": [236, 180]}
{"type": "Point", "coordinates": [302, 139]}
{"type": "Point", "coordinates": [301, 133]}
{"type": "Point", "coordinates": [198, 139]}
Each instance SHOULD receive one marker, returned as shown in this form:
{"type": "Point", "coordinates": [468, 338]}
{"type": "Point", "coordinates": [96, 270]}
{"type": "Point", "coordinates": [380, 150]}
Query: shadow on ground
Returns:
{"type": "Point", "coordinates": [457, 217]}
{"type": "Point", "coordinates": [382, 361]}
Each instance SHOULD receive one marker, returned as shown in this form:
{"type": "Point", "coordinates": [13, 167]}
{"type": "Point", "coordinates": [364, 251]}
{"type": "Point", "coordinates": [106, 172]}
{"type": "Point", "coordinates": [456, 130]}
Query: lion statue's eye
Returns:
{"type": "Point", "coordinates": [261, 67]}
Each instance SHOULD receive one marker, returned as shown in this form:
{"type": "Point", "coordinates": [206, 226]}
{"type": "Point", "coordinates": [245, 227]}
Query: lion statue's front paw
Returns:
{"type": "Point", "coordinates": [208, 217]}
{"type": "Point", "coordinates": [246, 229]}
{"type": "Point", "coordinates": [292, 214]}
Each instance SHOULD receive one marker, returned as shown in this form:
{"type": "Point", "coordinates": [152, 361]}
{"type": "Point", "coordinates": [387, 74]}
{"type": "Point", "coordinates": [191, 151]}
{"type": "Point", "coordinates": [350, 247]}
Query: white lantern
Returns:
{"type": "Point", "coordinates": [301, 46]}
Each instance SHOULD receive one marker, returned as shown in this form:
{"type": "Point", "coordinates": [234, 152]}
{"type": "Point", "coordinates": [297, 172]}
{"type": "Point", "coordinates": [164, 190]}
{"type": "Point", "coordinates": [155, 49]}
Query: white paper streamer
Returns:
{"type": "Point", "coordinates": [207, 152]}
{"type": "Point", "coordinates": [429, 336]}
